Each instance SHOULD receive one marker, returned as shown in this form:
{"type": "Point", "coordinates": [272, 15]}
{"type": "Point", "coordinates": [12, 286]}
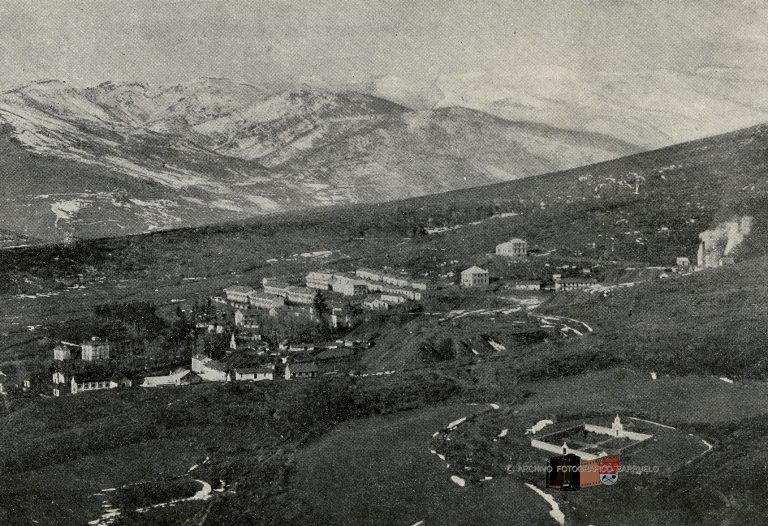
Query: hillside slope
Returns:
{"type": "Point", "coordinates": [124, 158]}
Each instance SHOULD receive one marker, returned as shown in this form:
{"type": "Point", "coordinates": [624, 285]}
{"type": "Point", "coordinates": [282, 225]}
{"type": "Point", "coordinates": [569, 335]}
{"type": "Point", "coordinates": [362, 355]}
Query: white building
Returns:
{"type": "Point", "coordinates": [264, 300]}
{"type": "Point", "coordinates": [349, 286]}
{"type": "Point", "coordinates": [238, 293]}
{"type": "Point", "coordinates": [209, 369]}
{"type": "Point", "coordinates": [513, 248]}
{"type": "Point", "coordinates": [252, 374]}
{"type": "Point", "coordinates": [573, 283]}
{"type": "Point", "coordinates": [302, 295]}
{"type": "Point", "coordinates": [87, 383]}
{"type": "Point", "coordinates": [300, 370]}
{"type": "Point", "coordinates": [526, 285]}
{"type": "Point", "coordinates": [275, 287]}
{"type": "Point", "coordinates": [320, 280]}
{"type": "Point", "coordinates": [180, 376]}
{"type": "Point", "coordinates": [475, 277]}
{"type": "Point", "coordinates": [62, 353]}
{"type": "Point", "coordinates": [376, 304]}
{"type": "Point", "coordinates": [95, 349]}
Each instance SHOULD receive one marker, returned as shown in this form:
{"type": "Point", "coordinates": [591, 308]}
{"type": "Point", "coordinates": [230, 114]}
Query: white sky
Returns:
{"type": "Point", "coordinates": [340, 42]}
{"type": "Point", "coordinates": [651, 71]}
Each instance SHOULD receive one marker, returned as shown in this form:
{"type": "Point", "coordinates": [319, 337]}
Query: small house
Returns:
{"type": "Point", "coordinates": [300, 370]}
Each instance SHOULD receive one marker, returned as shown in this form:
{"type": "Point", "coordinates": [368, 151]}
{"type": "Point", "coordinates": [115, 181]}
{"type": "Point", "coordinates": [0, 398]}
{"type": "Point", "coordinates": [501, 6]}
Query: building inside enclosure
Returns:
{"type": "Point", "coordinates": [95, 349]}
{"type": "Point", "coordinates": [513, 248]}
{"type": "Point", "coordinates": [475, 277]}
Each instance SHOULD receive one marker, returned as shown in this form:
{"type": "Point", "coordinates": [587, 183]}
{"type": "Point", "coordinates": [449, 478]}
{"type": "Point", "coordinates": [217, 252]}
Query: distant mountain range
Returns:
{"type": "Point", "coordinates": [126, 157]}
{"type": "Point", "coordinates": [653, 108]}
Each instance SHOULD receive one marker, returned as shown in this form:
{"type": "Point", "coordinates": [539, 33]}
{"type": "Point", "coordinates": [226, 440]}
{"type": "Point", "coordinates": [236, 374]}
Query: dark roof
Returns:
{"type": "Point", "coordinates": [218, 366]}
{"type": "Point", "coordinates": [306, 367]}
{"type": "Point", "coordinates": [91, 377]}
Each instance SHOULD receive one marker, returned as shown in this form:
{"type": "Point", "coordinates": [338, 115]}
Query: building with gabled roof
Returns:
{"type": "Point", "coordinates": [95, 349]}
{"type": "Point", "coordinates": [300, 370]}
{"type": "Point", "coordinates": [179, 376]}
{"type": "Point", "coordinates": [513, 248]}
{"type": "Point", "coordinates": [275, 286]}
{"type": "Point", "coordinates": [62, 353]}
{"type": "Point", "coordinates": [209, 369]}
{"type": "Point", "coordinates": [475, 277]}
{"type": "Point", "coordinates": [238, 293]}
{"type": "Point", "coordinates": [301, 295]}
{"type": "Point", "coordinates": [252, 374]}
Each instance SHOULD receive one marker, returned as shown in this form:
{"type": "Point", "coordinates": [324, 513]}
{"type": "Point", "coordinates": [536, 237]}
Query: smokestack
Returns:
{"type": "Point", "coordinates": [700, 256]}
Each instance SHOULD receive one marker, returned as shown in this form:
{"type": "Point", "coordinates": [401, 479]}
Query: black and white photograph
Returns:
{"type": "Point", "coordinates": [384, 262]}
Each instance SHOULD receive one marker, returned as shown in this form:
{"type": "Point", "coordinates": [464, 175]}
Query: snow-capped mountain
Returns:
{"type": "Point", "coordinates": [128, 157]}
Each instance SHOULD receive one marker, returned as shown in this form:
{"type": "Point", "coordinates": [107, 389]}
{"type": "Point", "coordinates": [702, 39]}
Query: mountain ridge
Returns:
{"type": "Point", "coordinates": [213, 150]}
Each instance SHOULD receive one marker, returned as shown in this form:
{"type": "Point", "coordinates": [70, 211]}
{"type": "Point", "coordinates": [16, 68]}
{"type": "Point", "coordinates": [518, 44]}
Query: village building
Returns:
{"type": "Point", "coordinates": [683, 263]}
{"type": "Point", "coordinates": [302, 295]}
{"type": "Point", "coordinates": [398, 281]}
{"type": "Point", "coordinates": [300, 370]}
{"type": "Point", "coordinates": [209, 369]}
{"type": "Point", "coordinates": [475, 277]}
{"type": "Point", "coordinates": [88, 382]}
{"type": "Point", "coordinates": [365, 273]}
{"type": "Point", "coordinates": [95, 349]}
{"type": "Point", "coordinates": [238, 293]}
{"type": "Point", "coordinates": [349, 286]}
{"type": "Point", "coordinates": [320, 280]}
{"type": "Point", "coordinates": [251, 374]}
{"type": "Point", "coordinates": [393, 299]}
{"type": "Point", "coordinates": [266, 301]}
{"type": "Point", "coordinates": [246, 318]}
{"type": "Point", "coordinates": [526, 285]}
{"type": "Point", "coordinates": [512, 248]}
{"type": "Point", "coordinates": [341, 316]}
{"type": "Point", "coordinates": [394, 290]}
{"type": "Point", "coordinates": [563, 284]}
{"type": "Point", "coordinates": [374, 303]}
{"type": "Point", "coordinates": [275, 287]}
{"type": "Point", "coordinates": [180, 376]}
{"type": "Point", "coordinates": [62, 353]}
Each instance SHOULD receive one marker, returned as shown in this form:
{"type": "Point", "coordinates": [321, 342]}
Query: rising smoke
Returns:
{"type": "Point", "coordinates": [722, 240]}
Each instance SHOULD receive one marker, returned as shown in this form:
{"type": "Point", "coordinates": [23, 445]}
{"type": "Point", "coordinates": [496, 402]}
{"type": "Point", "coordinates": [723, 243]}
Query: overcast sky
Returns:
{"type": "Point", "coordinates": [571, 63]}
{"type": "Point", "coordinates": [341, 42]}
